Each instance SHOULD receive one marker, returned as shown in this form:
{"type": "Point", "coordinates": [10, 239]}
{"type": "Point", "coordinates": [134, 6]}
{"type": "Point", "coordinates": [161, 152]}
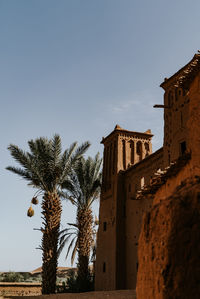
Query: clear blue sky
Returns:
{"type": "Point", "coordinates": [78, 68]}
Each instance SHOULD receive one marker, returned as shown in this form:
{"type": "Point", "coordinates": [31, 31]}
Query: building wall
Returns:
{"type": "Point", "coordinates": [122, 149]}
{"type": "Point", "coordinates": [128, 165]}
{"type": "Point", "coordinates": [176, 101]}
{"type": "Point", "coordinates": [168, 245]}
{"type": "Point", "coordinates": [192, 131]}
{"type": "Point", "coordinates": [139, 174]}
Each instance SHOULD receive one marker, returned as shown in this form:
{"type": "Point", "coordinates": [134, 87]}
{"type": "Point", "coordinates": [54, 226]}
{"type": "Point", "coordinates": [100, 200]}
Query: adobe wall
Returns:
{"type": "Point", "coordinates": [135, 210]}
{"type": "Point", "coordinates": [175, 118]}
{"type": "Point", "coordinates": [169, 246]}
{"type": "Point", "coordinates": [105, 267]}
{"type": "Point", "coordinates": [169, 241]}
{"type": "Point", "coordinates": [193, 144]}
{"type": "Point", "coordinates": [121, 149]}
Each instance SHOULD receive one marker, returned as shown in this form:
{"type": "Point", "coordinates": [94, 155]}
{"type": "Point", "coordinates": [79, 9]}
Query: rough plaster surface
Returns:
{"type": "Point", "coordinates": [169, 246]}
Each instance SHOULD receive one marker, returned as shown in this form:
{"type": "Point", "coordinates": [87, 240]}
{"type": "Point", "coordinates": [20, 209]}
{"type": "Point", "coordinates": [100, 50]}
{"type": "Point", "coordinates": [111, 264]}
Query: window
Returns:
{"type": "Point", "coordinates": [146, 145]}
{"type": "Point", "coordinates": [132, 151]}
{"type": "Point", "coordinates": [182, 148]}
{"type": "Point", "coordinates": [124, 153]}
{"type": "Point", "coordinates": [169, 158]}
{"type": "Point", "coordinates": [104, 226]}
{"type": "Point", "coordinates": [139, 150]}
{"type": "Point", "coordinates": [104, 267]}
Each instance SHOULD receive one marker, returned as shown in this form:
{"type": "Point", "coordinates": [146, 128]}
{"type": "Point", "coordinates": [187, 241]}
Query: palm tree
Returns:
{"type": "Point", "coordinates": [46, 168]}
{"type": "Point", "coordinates": [82, 189]}
{"type": "Point", "coordinates": [70, 235]}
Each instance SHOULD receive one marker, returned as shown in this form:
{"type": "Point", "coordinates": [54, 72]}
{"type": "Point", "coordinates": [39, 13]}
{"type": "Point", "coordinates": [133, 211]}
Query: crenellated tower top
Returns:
{"type": "Point", "coordinates": [122, 149]}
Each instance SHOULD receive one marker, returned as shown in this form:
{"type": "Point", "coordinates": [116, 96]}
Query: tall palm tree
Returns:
{"type": "Point", "coordinates": [46, 168]}
{"type": "Point", "coordinates": [82, 189]}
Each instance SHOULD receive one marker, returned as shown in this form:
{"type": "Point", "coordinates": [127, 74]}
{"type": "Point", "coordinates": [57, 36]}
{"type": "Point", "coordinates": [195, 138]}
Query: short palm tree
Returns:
{"type": "Point", "coordinates": [70, 236]}
{"type": "Point", "coordinates": [82, 189]}
{"type": "Point", "coordinates": [46, 168]}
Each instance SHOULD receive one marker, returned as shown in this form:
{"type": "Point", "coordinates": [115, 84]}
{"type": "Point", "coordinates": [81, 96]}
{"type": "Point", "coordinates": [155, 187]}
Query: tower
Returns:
{"type": "Point", "coordinates": [122, 149]}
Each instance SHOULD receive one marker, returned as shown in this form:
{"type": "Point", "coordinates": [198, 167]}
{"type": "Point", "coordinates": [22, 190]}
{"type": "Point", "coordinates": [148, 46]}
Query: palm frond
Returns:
{"type": "Point", "coordinates": [20, 156]}
{"type": "Point", "coordinates": [63, 242]}
{"type": "Point", "coordinates": [56, 148]}
{"type": "Point", "coordinates": [70, 246]}
{"type": "Point", "coordinates": [74, 252]}
{"type": "Point", "coordinates": [80, 151]}
{"type": "Point", "coordinates": [23, 173]}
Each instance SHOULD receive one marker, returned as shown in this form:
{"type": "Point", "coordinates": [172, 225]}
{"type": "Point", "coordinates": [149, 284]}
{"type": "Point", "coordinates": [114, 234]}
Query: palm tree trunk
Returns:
{"type": "Point", "coordinates": [51, 210]}
{"type": "Point", "coordinates": [84, 220]}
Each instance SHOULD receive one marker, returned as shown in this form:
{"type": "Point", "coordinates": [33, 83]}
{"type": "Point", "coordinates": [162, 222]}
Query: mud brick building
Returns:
{"type": "Point", "coordinates": [133, 175]}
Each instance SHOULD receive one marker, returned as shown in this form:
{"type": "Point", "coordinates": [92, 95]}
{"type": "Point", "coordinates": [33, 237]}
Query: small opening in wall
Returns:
{"type": "Point", "coordinates": [137, 267]}
{"type": "Point", "coordinates": [182, 147]}
{"type": "Point", "coordinates": [104, 267]}
{"type": "Point", "coordinates": [104, 226]}
{"type": "Point", "coordinates": [169, 158]}
{"type": "Point", "coordinates": [124, 211]}
{"type": "Point", "coordinates": [139, 150]}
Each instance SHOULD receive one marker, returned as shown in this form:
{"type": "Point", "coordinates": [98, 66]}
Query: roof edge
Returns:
{"type": "Point", "coordinates": [118, 129]}
{"type": "Point", "coordinates": [185, 70]}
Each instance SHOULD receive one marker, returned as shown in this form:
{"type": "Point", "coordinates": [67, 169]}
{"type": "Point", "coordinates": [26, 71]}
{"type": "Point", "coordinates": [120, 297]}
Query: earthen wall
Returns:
{"type": "Point", "coordinates": [134, 179]}
{"type": "Point", "coordinates": [129, 165]}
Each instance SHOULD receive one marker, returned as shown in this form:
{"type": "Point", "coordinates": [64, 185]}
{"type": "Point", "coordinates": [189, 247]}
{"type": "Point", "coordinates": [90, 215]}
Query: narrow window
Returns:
{"type": "Point", "coordinates": [104, 267]}
{"type": "Point", "coordinates": [169, 158]}
{"type": "Point", "coordinates": [114, 157]}
{"type": "Point", "coordinates": [124, 211]}
{"type": "Point", "coordinates": [182, 147]}
{"type": "Point", "coordinates": [137, 267]}
{"type": "Point", "coordinates": [124, 153]}
{"type": "Point", "coordinates": [139, 150]}
{"type": "Point", "coordinates": [132, 151]}
{"type": "Point", "coordinates": [104, 226]}
{"type": "Point", "coordinates": [146, 145]}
